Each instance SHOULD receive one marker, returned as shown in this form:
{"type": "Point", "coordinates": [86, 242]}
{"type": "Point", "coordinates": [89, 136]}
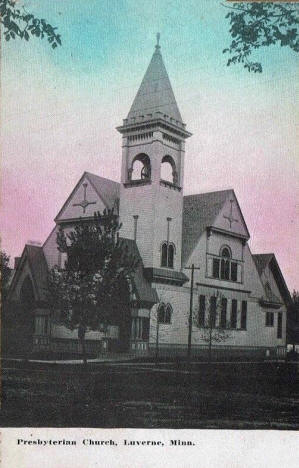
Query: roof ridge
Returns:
{"type": "Point", "coordinates": [101, 177]}
{"type": "Point", "coordinates": [206, 193]}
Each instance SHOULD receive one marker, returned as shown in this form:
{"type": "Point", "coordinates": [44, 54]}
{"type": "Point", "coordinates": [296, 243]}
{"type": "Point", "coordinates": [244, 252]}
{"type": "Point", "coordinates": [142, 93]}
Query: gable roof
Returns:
{"type": "Point", "coordinates": [261, 261]}
{"type": "Point", "coordinates": [155, 93]}
{"type": "Point", "coordinates": [143, 288]}
{"type": "Point", "coordinates": [199, 212]}
{"type": "Point", "coordinates": [106, 189]}
{"type": "Point", "coordinates": [269, 259]}
{"type": "Point", "coordinates": [38, 269]}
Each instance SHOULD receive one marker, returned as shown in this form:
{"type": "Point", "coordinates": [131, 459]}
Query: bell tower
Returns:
{"type": "Point", "coordinates": [152, 174]}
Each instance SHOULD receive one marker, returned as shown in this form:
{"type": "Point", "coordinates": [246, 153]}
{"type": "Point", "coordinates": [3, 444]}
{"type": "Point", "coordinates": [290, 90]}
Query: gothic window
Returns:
{"type": "Point", "coordinates": [170, 255]}
{"type": "Point", "coordinates": [168, 170]}
{"type": "Point", "coordinates": [164, 313]}
{"type": "Point", "coordinates": [140, 169]}
{"type": "Point", "coordinates": [167, 254]}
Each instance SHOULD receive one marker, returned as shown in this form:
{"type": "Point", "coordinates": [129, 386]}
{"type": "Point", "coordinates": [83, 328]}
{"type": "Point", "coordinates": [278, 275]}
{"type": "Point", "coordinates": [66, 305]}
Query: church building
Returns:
{"type": "Point", "coordinates": [240, 296]}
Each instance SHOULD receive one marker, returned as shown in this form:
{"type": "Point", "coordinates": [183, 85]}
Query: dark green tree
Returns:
{"type": "Point", "coordinates": [256, 25]}
{"type": "Point", "coordinates": [293, 320]}
{"type": "Point", "coordinates": [19, 23]}
{"type": "Point", "coordinates": [5, 272]}
{"type": "Point", "coordinates": [92, 290]}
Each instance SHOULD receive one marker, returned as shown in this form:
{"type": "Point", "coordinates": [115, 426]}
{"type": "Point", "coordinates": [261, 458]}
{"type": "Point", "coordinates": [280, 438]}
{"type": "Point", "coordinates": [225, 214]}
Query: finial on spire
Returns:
{"type": "Point", "coordinates": [158, 41]}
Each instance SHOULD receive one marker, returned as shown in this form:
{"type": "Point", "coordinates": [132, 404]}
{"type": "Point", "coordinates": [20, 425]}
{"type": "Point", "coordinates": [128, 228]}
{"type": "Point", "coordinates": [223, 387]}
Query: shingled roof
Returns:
{"type": "Point", "coordinates": [199, 212]}
{"type": "Point", "coordinates": [38, 268]}
{"type": "Point", "coordinates": [107, 189]}
{"type": "Point", "coordinates": [262, 260]}
{"type": "Point", "coordinates": [155, 93]}
{"type": "Point", "coordinates": [143, 289]}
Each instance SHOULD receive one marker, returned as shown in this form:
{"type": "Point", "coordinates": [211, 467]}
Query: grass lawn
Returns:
{"type": "Point", "coordinates": [249, 396]}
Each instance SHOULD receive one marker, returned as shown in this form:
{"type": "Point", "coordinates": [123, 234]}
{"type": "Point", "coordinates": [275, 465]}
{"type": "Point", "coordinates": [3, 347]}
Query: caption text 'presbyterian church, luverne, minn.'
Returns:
{"type": "Point", "coordinates": [234, 290]}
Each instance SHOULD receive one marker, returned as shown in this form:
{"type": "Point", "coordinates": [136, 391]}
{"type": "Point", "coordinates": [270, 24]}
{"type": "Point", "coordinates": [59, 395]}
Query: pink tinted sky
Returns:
{"type": "Point", "coordinates": [59, 117]}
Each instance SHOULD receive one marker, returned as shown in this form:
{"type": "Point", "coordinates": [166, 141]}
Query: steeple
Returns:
{"type": "Point", "coordinates": [152, 173]}
{"type": "Point", "coordinates": [155, 98]}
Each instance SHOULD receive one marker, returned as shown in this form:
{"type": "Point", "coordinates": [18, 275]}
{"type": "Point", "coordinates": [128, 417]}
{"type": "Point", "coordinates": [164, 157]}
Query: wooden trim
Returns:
{"type": "Point", "coordinates": [224, 287]}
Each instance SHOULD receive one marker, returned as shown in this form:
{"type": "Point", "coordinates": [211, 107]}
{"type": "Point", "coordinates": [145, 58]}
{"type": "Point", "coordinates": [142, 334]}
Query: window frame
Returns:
{"type": "Point", "coordinates": [271, 315]}
{"type": "Point", "coordinates": [224, 267]}
{"type": "Point", "coordinates": [167, 261]}
{"type": "Point", "coordinates": [244, 308]}
{"type": "Point", "coordinates": [234, 314]}
{"type": "Point", "coordinates": [279, 325]}
{"type": "Point", "coordinates": [166, 317]}
{"type": "Point", "coordinates": [201, 320]}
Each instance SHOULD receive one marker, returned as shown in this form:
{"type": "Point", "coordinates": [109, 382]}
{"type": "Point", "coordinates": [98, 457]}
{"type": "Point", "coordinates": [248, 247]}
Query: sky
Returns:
{"type": "Point", "coordinates": [60, 108]}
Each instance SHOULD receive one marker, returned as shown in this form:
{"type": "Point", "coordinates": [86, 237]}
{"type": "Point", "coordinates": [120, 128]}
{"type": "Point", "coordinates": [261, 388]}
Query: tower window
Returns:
{"type": "Point", "coordinates": [141, 168]}
{"type": "Point", "coordinates": [168, 170]}
{"type": "Point", "coordinates": [167, 255]}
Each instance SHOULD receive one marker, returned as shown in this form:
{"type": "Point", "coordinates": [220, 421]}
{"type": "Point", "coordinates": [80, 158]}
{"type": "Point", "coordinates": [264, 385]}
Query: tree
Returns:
{"type": "Point", "coordinates": [5, 273]}
{"type": "Point", "coordinates": [293, 320]}
{"type": "Point", "coordinates": [18, 23]}
{"type": "Point", "coordinates": [255, 25]}
{"type": "Point", "coordinates": [92, 290]}
{"type": "Point", "coordinates": [215, 327]}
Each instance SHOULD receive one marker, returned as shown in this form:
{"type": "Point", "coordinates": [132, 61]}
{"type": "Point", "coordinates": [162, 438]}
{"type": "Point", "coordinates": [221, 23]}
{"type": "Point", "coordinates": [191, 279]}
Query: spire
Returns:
{"type": "Point", "coordinates": [155, 96]}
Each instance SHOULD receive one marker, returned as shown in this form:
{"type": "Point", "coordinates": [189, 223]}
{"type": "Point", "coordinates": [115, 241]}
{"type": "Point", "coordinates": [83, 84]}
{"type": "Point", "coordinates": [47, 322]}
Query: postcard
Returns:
{"type": "Point", "coordinates": [149, 225]}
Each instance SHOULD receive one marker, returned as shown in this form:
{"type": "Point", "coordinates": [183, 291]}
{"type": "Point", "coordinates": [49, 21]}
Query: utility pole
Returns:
{"type": "Point", "coordinates": [192, 268]}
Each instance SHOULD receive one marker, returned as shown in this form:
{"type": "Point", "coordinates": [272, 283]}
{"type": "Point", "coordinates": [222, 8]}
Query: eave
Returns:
{"type": "Point", "coordinates": [161, 275]}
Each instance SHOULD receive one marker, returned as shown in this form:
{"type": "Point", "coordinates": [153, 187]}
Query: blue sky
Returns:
{"type": "Point", "coordinates": [60, 109]}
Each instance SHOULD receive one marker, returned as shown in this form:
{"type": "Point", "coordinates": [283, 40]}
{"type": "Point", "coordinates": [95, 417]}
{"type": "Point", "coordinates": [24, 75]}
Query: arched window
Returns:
{"type": "Point", "coordinates": [225, 263]}
{"type": "Point", "coordinates": [164, 313]}
{"type": "Point", "coordinates": [164, 255]}
{"type": "Point", "coordinates": [167, 254]}
{"type": "Point", "coordinates": [141, 168]}
{"type": "Point", "coordinates": [170, 255]}
{"type": "Point", "coordinates": [168, 170]}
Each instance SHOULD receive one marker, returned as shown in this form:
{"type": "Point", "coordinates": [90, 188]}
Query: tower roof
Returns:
{"type": "Point", "coordinates": [155, 97]}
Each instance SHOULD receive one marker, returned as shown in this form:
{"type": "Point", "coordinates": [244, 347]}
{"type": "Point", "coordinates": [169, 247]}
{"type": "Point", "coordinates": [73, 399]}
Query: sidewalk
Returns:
{"type": "Point", "coordinates": [130, 360]}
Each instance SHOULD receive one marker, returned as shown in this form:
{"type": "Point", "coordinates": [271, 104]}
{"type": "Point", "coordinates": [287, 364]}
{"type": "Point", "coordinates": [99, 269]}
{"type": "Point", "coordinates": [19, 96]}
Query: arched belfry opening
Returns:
{"type": "Point", "coordinates": [168, 170]}
{"type": "Point", "coordinates": [140, 168]}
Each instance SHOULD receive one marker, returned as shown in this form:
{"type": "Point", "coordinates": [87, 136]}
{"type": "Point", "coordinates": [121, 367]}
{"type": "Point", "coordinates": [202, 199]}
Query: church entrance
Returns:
{"type": "Point", "coordinates": [140, 333]}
